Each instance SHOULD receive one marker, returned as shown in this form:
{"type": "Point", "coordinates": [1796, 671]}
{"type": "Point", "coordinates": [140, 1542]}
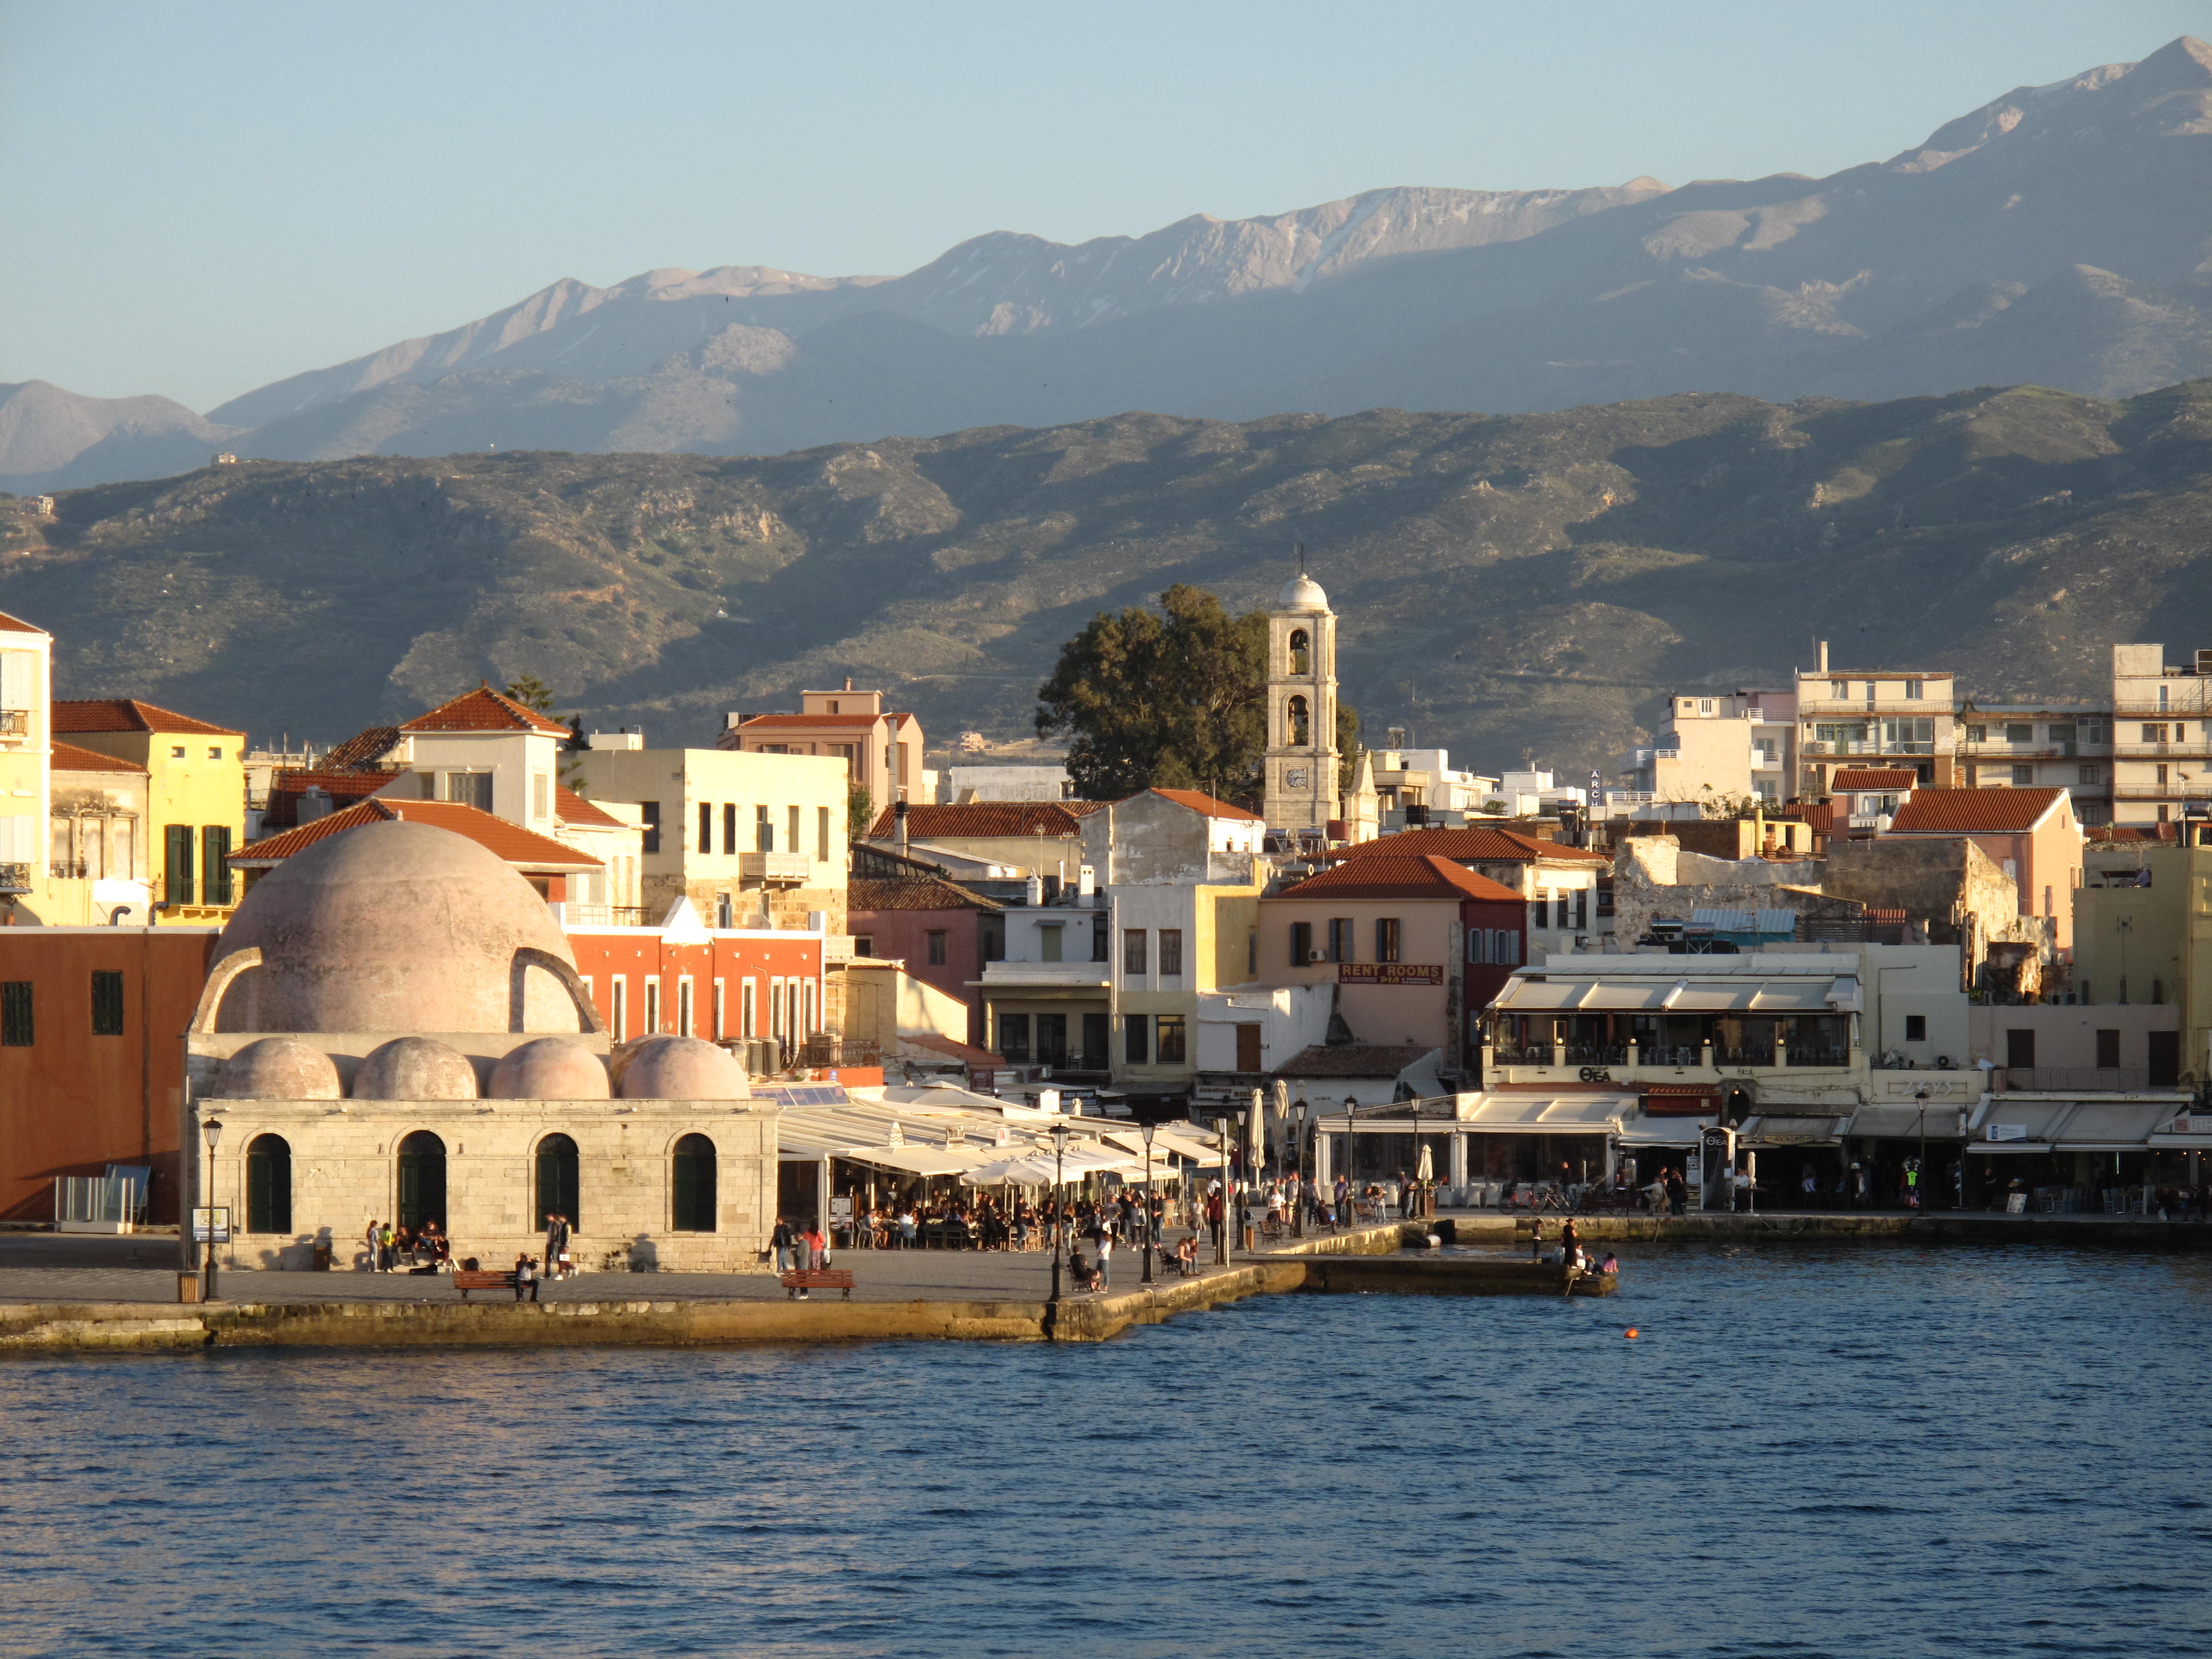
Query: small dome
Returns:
{"type": "Point", "coordinates": [550, 1068]}
{"type": "Point", "coordinates": [393, 927]}
{"type": "Point", "coordinates": [415, 1069]}
{"type": "Point", "coordinates": [278, 1069]}
{"type": "Point", "coordinates": [1304, 593]}
{"type": "Point", "coordinates": [679, 1068]}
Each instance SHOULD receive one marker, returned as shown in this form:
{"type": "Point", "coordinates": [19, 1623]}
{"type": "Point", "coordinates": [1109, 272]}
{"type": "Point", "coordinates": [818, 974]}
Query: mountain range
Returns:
{"type": "Point", "coordinates": [2060, 235]}
{"type": "Point", "coordinates": [1534, 582]}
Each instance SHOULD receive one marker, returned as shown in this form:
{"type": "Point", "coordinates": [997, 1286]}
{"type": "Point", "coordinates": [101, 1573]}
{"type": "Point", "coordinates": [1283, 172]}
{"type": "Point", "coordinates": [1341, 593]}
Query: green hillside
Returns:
{"type": "Point", "coordinates": [1532, 583]}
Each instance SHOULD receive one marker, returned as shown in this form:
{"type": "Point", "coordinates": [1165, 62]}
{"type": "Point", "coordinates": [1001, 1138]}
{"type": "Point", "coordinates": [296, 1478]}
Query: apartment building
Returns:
{"type": "Point", "coordinates": [1718, 745]}
{"type": "Point", "coordinates": [195, 795]}
{"type": "Point", "coordinates": [881, 747]}
{"type": "Point", "coordinates": [2040, 745]}
{"type": "Point", "coordinates": [1887, 717]}
{"type": "Point", "coordinates": [2161, 734]}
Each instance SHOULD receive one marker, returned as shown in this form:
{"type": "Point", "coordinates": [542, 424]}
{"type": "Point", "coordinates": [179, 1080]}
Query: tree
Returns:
{"type": "Point", "coordinates": [1347, 746]}
{"type": "Point", "coordinates": [1173, 699]}
{"type": "Point", "coordinates": [530, 692]}
{"type": "Point", "coordinates": [860, 810]}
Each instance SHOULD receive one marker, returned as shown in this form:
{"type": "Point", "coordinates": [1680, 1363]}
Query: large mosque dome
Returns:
{"type": "Point", "coordinates": [398, 927]}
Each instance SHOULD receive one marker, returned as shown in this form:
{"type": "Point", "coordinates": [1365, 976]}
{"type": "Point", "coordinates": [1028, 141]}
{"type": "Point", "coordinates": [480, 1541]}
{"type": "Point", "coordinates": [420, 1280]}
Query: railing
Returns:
{"type": "Point", "coordinates": [840, 1051]}
{"type": "Point", "coordinates": [1995, 748]}
{"type": "Point", "coordinates": [15, 722]}
{"type": "Point", "coordinates": [15, 877]}
{"type": "Point", "coordinates": [2035, 1079]}
{"type": "Point", "coordinates": [68, 870]}
{"type": "Point", "coordinates": [2199, 750]}
{"type": "Point", "coordinates": [607, 916]}
{"type": "Point", "coordinates": [1808, 1056]}
{"type": "Point", "coordinates": [2181, 708]}
{"type": "Point", "coordinates": [1597, 1053]}
{"type": "Point", "coordinates": [774, 866]}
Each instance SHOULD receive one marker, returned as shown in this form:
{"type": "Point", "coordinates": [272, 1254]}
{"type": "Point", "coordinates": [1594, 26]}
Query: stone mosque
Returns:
{"type": "Point", "coordinates": [393, 1029]}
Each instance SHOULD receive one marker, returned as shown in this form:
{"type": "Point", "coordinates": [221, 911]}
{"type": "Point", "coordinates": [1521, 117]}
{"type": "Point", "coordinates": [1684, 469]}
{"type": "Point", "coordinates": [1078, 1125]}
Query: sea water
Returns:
{"type": "Point", "coordinates": [1803, 1451]}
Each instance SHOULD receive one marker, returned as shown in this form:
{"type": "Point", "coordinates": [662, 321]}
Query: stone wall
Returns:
{"type": "Point", "coordinates": [345, 1173]}
{"type": "Point", "coordinates": [1653, 877]}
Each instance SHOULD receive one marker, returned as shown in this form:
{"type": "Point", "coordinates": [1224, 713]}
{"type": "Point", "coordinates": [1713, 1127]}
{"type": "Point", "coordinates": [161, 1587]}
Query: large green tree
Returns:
{"type": "Point", "coordinates": [1175, 698]}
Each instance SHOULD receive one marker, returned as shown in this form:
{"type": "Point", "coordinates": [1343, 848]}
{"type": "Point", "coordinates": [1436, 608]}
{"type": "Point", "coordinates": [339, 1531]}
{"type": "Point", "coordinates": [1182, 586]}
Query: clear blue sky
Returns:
{"type": "Point", "coordinates": [203, 197]}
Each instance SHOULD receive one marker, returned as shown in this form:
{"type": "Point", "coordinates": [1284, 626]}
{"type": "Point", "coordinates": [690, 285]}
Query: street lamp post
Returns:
{"type": "Point", "coordinates": [1221, 1239]}
{"type": "Point", "coordinates": [1059, 1205]}
{"type": "Point", "coordinates": [1151, 1243]}
{"type": "Point", "coordinates": [1920, 1175]}
{"type": "Point", "coordinates": [211, 1133]}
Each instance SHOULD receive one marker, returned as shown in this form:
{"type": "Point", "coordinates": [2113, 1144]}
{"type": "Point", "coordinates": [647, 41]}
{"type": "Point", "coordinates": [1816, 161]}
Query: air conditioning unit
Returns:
{"type": "Point", "coordinates": [1316, 955]}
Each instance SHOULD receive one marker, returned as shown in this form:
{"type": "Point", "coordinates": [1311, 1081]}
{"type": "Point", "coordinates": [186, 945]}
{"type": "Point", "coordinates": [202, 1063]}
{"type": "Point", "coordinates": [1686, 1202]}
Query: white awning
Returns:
{"type": "Point", "coordinates": [2113, 1126]}
{"type": "Point", "coordinates": [1747, 993]}
{"type": "Point", "coordinates": [1902, 1121]}
{"type": "Point", "coordinates": [1665, 1130]}
{"type": "Point", "coordinates": [1772, 1129]}
{"type": "Point", "coordinates": [1540, 1115]}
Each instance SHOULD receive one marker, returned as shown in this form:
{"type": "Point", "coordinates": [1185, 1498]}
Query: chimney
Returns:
{"type": "Point", "coordinates": [314, 803]}
{"type": "Point", "coordinates": [848, 682]}
{"type": "Point", "coordinates": [1820, 655]}
{"type": "Point", "coordinates": [898, 817]}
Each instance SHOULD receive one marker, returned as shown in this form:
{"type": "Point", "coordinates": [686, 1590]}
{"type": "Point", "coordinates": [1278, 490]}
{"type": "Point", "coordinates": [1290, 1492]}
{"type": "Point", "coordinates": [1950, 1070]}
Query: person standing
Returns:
{"type": "Point", "coordinates": [817, 1247]}
{"type": "Point", "coordinates": [1678, 1192]}
{"type": "Point", "coordinates": [1343, 1196]}
{"type": "Point", "coordinates": [781, 1241]}
{"type": "Point", "coordinates": [385, 1236]}
{"type": "Point", "coordinates": [1217, 1213]}
{"type": "Point", "coordinates": [369, 1238]}
{"type": "Point", "coordinates": [1536, 1239]}
{"type": "Point", "coordinates": [1105, 1258]}
{"type": "Point", "coordinates": [552, 1239]}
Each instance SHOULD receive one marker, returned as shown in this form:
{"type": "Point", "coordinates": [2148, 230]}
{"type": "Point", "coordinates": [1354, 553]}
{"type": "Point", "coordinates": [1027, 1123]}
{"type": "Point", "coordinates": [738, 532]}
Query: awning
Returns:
{"type": "Point", "coordinates": [1539, 1114]}
{"type": "Point", "coordinates": [919, 1160]}
{"type": "Point", "coordinates": [1902, 1122]}
{"type": "Point", "coordinates": [1768, 1130]}
{"type": "Point", "coordinates": [1747, 994]}
{"type": "Point", "coordinates": [2008, 1124]}
{"type": "Point", "coordinates": [2112, 1126]}
{"type": "Point", "coordinates": [1664, 1131]}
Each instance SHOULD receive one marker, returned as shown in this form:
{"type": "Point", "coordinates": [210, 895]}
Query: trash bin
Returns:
{"type": "Point", "coordinates": [322, 1259]}
{"type": "Point", "coordinates": [188, 1287]}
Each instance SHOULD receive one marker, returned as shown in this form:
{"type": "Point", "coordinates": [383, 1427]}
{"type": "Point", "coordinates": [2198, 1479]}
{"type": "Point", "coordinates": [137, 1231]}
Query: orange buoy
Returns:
{"type": "Point", "coordinates": [1630, 1332]}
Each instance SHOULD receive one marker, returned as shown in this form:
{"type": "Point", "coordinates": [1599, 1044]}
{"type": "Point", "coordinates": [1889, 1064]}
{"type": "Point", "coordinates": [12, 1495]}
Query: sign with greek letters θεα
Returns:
{"type": "Point", "coordinates": [1389, 973]}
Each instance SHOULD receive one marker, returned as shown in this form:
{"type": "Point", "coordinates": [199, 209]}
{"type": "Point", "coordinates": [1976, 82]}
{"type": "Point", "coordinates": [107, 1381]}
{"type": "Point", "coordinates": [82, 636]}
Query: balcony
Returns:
{"type": "Point", "coordinates": [15, 877]}
{"type": "Point", "coordinates": [1993, 748]}
{"type": "Point", "coordinates": [828, 1051]}
{"type": "Point", "coordinates": [2200, 749]}
{"type": "Point", "coordinates": [1867, 746]}
{"type": "Point", "coordinates": [15, 722]}
{"type": "Point", "coordinates": [2197, 706]}
{"type": "Point", "coordinates": [793, 868]}
{"type": "Point", "coordinates": [1011, 976]}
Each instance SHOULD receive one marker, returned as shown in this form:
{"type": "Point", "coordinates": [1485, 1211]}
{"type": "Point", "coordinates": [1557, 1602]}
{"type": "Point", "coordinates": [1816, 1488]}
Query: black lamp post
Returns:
{"type": "Point", "coordinates": [1059, 1132]}
{"type": "Point", "coordinates": [211, 1133]}
{"type": "Point", "coordinates": [1151, 1243]}
{"type": "Point", "coordinates": [1920, 1175]}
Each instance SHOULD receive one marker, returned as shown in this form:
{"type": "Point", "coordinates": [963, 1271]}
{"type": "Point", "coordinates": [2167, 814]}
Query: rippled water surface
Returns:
{"type": "Point", "coordinates": [1883, 1451]}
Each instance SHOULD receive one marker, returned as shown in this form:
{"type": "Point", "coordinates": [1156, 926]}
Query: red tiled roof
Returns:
{"type": "Point", "coordinates": [364, 751]}
{"type": "Point", "coordinates": [1974, 811]}
{"type": "Point", "coordinates": [810, 721]}
{"type": "Point", "coordinates": [67, 757]}
{"type": "Point", "coordinates": [524, 848]}
{"type": "Point", "coordinates": [1874, 777]}
{"type": "Point", "coordinates": [1428, 876]}
{"type": "Point", "coordinates": [484, 710]}
{"type": "Point", "coordinates": [1817, 815]}
{"type": "Point", "coordinates": [873, 893]}
{"type": "Point", "coordinates": [569, 807]}
{"type": "Point", "coordinates": [343, 788]}
{"type": "Point", "coordinates": [983, 817]}
{"type": "Point", "coordinates": [1461, 845]}
{"type": "Point", "coordinates": [1199, 801]}
{"type": "Point", "coordinates": [952, 1050]}
{"type": "Point", "coordinates": [1356, 1059]}
{"type": "Point", "coordinates": [17, 625]}
{"type": "Point", "coordinates": [130, 714]}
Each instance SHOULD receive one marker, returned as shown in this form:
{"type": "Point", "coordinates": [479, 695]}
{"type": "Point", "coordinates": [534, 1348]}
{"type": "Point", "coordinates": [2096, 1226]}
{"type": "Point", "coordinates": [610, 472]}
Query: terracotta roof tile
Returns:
{"type": "Point", "coordinates": [1356, 1059]}
{"type": "Point", "coordinates": [569, 807]}
{"type": "Point", "coordinates": [343, 788]}
{"type": "Point", "coordinates": [981, 819]}
{"type": "Point", "coordinates": [67, 757]}
{"type": "Point", "coordinates": [1199, 801]}
{"type": "Point", "coordinates": [519, 847]}
{"type": "Point", "coordinates": [484, 710]}
{"type": "Point", "coordinates": [871, 893]}
{"type": "Point", "coordinates": [130, 714]}
{"type": "Point", "coordinates": [806, 722]}
{"type": "Point", "coordinates": [1502, 846]}
{"type": "Point", "coordinates": [364, 751]}
{"type": "Point", "coordinates": [1974, 811]}
{"type": "Point", "coordinates": [1429, 876]}
{"type": "Point", "coordinates": [17, 625]}
{"type": "Point", "coordinates": [952, 1050]}
{"type": "Point", "coordinates": [1875, 777]}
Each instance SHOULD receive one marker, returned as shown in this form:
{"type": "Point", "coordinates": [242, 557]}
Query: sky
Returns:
{"type": "Point", "coordinates": [204, 198]}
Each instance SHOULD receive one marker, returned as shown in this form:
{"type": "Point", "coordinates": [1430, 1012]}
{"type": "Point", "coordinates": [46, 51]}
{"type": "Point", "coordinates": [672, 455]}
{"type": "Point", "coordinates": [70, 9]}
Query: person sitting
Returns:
{"type": "Point", "coordinates": [1086, 1276]}
{"type": "Point", "coordinates": [1610, 1265]}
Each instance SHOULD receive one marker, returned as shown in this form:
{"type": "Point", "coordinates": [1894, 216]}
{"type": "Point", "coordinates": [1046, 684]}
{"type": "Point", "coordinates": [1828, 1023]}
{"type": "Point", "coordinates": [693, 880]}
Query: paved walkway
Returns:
{"type": "Point", "coordinates": [47, 1267]}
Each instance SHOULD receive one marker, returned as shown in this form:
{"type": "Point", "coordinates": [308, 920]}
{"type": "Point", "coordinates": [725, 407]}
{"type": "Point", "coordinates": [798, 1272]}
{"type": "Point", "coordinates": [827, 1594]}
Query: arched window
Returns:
{"type": "Point", "coordinates": [1301, 652]}
{"type": "Point", "coordinates": [693, 1211]}
{"type": "Point", "coordinates": [1301, 724]}
{"type": "Point", "coordinates": [422, 1181]}
{"type": "Point", "coordinates": [268, 1185]}
{"type": "Point", "coordinates": [557, 1180]}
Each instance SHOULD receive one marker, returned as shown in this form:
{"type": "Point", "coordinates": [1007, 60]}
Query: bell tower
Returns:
{"type": "Point", "coordinates": [1301, 782]}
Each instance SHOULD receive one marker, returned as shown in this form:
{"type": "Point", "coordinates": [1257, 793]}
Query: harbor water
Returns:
{"type": "Point", "coordinates": [1811, 1451]}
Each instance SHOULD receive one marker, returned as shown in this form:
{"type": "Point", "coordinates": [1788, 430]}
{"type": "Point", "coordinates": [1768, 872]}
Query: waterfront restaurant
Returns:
{"type": "Point", "coordinates": [2083, 1152]}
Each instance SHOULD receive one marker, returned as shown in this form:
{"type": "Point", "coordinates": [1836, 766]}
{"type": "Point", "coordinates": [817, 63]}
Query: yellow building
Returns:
{"type": "Point", "coordinates": [26, 667]}
{"type": "Point", "coordinates": [2142, 933]}
{"type": "Point", "coordinates": [194, 796]}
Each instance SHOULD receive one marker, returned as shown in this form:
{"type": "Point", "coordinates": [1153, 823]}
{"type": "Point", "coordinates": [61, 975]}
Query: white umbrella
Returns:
{"type": "Point", "coordinates": [1256, 1136]}
{"type": "Point", "coordinates": [1038, 1169]}
{"type": "Point", "coordinates": [1425, 1168]}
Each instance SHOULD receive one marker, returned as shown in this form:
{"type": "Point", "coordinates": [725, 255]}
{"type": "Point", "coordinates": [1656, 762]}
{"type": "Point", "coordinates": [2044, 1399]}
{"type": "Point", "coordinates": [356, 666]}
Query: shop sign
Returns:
{"type": "Point", "coordinates": [2008, 1131]}
{"type": "Point", "coordinates": [1664, 1100]}
{"type": "Point", "coordinates": [211, 1225]}
{"type": "Point", "coordinates": [1388, 973]}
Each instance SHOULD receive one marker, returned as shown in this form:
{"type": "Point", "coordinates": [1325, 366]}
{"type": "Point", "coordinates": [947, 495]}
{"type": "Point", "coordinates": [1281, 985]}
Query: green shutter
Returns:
{"type": "Point", "coordinates": [215, 864]}
{"type": "Point", "coordinates": [177, 887]}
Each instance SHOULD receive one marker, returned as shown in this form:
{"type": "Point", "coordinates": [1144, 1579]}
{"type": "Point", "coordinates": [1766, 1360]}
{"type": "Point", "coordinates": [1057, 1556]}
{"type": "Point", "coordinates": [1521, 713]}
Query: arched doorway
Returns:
{"type": "Point", "coordinates": [268, 1185]}
{"type": "Point", "coordinates": [693, 1210]}
{"type": "Point", "coordinates": [558, 1178]}
{"type": "Point", "coordinates": [422, 1181]}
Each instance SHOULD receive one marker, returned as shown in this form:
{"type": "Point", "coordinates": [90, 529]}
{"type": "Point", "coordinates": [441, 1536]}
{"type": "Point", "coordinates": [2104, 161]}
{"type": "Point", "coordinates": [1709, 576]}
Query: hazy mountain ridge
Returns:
{"type": "Point", "coordinates": [2056, 235]}
{"type": "Point", "coordinates": [1539, 580]}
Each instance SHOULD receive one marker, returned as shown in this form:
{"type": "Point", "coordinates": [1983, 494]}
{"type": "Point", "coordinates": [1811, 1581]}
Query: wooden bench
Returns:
{"type": "Point", "coordinates": [818, 1278]}
{"type": "Point", "coordinates": [465, 1281]}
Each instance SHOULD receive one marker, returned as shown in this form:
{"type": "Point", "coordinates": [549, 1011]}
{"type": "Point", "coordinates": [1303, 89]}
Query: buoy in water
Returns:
{"type": "Point", "coordinates": [1630, 1332]}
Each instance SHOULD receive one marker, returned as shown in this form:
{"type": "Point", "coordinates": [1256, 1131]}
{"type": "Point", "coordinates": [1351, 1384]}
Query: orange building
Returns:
{"type": "Point", "coordinates": [92, 1056]}
{"type": "Point", "coordinates": [2029, 834]}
